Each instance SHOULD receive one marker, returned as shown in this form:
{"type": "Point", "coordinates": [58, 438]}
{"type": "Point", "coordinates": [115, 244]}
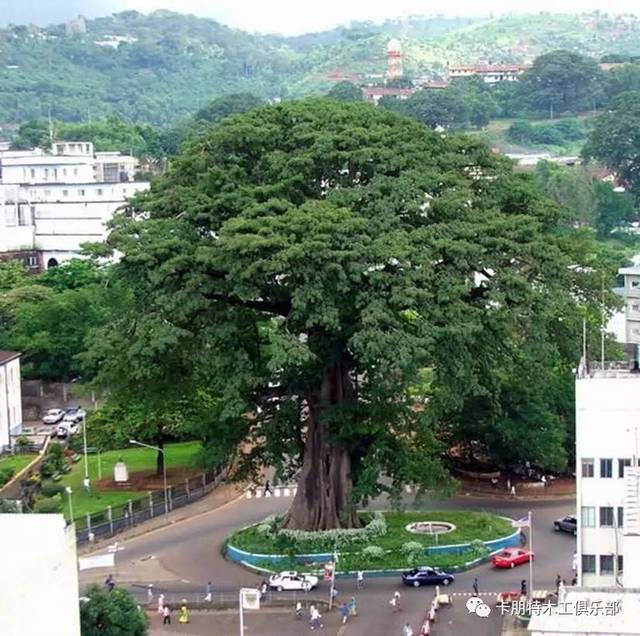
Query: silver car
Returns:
{"type": "Point", "coordinates": [53, 416]}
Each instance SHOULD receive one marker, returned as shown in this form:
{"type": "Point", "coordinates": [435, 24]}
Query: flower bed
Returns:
{"type": "Point", "coordinates": [384, 542]}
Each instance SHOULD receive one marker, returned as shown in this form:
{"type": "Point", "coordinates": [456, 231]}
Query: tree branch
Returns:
{"type": "Point", "coordinates": [278, 308]}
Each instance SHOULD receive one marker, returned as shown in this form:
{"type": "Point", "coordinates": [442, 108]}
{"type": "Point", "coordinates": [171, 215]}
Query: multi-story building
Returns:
{"type": "Point", "coordinates": [52, 203]}
{"type": "Point", "coordinates": [489, 73]}
{"type": "Point", "coordinates": [607, 459]}
{"type": "Point", "coordinates": [10, 398]}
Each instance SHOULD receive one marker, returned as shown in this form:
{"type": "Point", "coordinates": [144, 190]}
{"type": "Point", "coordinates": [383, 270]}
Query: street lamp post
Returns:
{"type": "Point", "coordinates": [69, 492]}
{"type": "Point", "coordinates": [86, 459]}
{"type": "Point", "coordinates": [164, 471]}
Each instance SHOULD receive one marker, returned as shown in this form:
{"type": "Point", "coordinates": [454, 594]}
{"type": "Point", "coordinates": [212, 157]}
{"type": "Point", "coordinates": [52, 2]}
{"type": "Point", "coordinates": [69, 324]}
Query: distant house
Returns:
{"type": "Point", "coordinates": [376, 93]}
{"type": "Point", "coordinates": [10, 398]}
{"type": "Point", "coordinates": [489, 73]}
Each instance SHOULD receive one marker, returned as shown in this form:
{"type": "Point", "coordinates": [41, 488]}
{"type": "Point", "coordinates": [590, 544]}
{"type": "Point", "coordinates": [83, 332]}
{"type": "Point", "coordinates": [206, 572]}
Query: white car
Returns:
{"type": "Point", "coordinates": [53, 416]}
{"type": "Point", "coordinates": [74, 414]}
{"type": "Point", "coordinates": [65, 429]}
{"type": "Point", "coordinates": [292, 581]}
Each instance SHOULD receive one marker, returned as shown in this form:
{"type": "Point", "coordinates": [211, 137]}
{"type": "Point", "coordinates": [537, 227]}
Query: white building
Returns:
{"type": "Point", "coordinates": [50, 204]}
{"type": "Point", "coordinates": [607, 451]}
{"type": "Point", "coordinates": [10, 398]}
{"type": "Point", "coordinates": [39, 584]}
{"type": "Point", "coordinates": [489, 73]}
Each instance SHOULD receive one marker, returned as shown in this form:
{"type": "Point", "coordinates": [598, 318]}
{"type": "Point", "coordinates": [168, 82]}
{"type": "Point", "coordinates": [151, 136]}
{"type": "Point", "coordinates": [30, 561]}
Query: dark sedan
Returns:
{"type": "Point", "coordinates": [427, 576]}
{"type": "Point", "coordinates": [566, 524]}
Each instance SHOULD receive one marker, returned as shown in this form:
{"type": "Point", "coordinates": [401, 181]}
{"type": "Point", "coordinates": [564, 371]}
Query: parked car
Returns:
{"type": "Point", "coordinates": [427, 576]}
{"type": "Point", "coordinates": [53, 416]}
{"type": "Point", "coordinates": [566, 524]}
{"type": "Point", "coordinates": [66, 429]}
{"type": "Point", "coordinates": [292, 581]}
{"type": "Point", "coordinates": [74, 414]}
{"type": "Point", "coordinates": [510, 557]}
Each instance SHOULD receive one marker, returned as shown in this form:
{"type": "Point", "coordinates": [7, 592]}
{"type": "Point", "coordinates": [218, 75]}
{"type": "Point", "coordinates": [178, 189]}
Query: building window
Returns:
{"type": "Point", "coordinates": [587, 468]}
{"type": "Point", "coordinates": [65, 193]}
{"type": "Point", "coordinates": [75, 172]}
{"type": "Point", "coordinates": [606, 517]}
{"type": "Point", "coordinates": [81, 193]}
{"type": "Point", "coordinates": [99, 192]}
{"type": "Point", "coordinates": [588, 517]}
{"type": "Point", "coordinates": [620, 517]}
{"type": "Point", "coordinates": [46, 174]}
{"type": "Point", "coordinates": [622, 464]}
{"type": "Point", "coordinates": [588, 563]}
{"type": "Point", "coordinates": [64, 172]}
{"type": "Point", "coordinates": [47, 193]}
{"type": "Point", "coordinates": [32, 172]}
{"type": "Point", "coordinates": [32, 261]}
{"type": "Point", "coordinates": [606, 468]}
{"type": "Point", "coordinates": [620, 563]}
{"type": "Point", "coordinates": [606, 564]}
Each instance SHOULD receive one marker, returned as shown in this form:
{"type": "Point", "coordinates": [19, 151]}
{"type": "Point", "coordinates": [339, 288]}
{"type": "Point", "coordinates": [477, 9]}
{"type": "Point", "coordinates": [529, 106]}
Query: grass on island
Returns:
{"type": "Point", "coordinates": [136, 459]}
{"type": "Point", "coordinates": [17, 462]}
{"type": "Point", "coordinates": [469, 526]}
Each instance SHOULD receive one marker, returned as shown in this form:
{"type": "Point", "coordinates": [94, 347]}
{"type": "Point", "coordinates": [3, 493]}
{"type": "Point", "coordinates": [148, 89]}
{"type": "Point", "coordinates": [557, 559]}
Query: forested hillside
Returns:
{"type": "Point", "coordinates": [162, 67]}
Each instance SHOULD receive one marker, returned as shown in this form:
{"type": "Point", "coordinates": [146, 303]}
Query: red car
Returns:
{"type": "Point", "coordinates": [510, 557]}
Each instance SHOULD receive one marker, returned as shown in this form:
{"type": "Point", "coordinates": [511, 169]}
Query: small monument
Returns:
{"type": "Point", "coordinates": [120, 472]}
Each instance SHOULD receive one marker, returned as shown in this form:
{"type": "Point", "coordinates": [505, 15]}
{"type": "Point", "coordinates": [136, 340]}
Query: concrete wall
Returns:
{"type": "Point", "coordinates": [39, 576]}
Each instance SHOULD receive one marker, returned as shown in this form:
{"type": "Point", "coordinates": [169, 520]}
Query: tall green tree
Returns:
{"type": "Point", "coordinates": [345, 92]}
{"type": "Point", "coordinates": [311, 260]}
{"type": "Point", "coordinates": [227, 105]}
{"type": "Point", "coordinates": [562, 82]}
{"type": "Point", "coordinates": [615, 140]}
{"type": "Point", "coordinates": [113, 613]}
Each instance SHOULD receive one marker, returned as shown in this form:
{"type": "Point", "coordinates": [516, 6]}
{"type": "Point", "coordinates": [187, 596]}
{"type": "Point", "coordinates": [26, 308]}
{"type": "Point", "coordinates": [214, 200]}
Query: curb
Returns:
{"type": "Point", "coordinates": [517, 498]}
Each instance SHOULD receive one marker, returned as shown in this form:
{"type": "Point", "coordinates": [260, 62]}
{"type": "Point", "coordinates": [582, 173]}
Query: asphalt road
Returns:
{"type": "Point", "coordinates": [188, 554]}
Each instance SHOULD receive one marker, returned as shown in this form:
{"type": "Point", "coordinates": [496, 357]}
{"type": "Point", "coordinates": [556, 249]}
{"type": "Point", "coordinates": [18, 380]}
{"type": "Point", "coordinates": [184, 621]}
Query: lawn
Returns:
{"type": "Point", "coordinates": [469, 526]}
{"type": "Point", "coordinates": [136, 459]}
{"type": "Point", "coordinates": [17, 462]}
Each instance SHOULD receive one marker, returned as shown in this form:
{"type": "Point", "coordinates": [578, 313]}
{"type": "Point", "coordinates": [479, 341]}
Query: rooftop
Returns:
{"type": "Point", "coordinates": [613, 369]}
{"type": "Point", "coordinates": [7, 356]}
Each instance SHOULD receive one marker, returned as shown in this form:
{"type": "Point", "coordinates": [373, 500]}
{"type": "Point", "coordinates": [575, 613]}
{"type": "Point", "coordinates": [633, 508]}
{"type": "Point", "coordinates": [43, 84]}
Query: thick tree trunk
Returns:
{"type": "Point", "coordinates": [323, 500]}
{"type": "Point", "coordinates": [160, 455]}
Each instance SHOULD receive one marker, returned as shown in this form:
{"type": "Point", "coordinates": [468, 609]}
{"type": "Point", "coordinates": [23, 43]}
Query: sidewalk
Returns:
{"type": "Point", "coordinates": [558, 490]}
{"type": "Point", "coordinates": [217, 498]}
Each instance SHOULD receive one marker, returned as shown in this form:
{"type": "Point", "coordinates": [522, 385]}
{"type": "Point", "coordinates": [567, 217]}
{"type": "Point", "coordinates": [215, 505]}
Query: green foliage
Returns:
{"type": "Point", "coordinates": [226, 105]}
{"type": "Point", "coordinates": [413, 552]}
{"type": "Point", "coordinates": [613, 209]}
{"type": "Point", "coordinates": [12, 274]}
{"type": "Point", "coordinates": [113, 613]}
{"type": "Point", "coordinates": [561, 133]}
{"type": "Point", "coordinates": [6, 474]}
{"type": "Point", "coordinates": [51, 488]}
{"type": "Point", "coordinates": [615, 140]}
{"type": "Point", "coordinates": [562, 82]}
{"type": "Point", "coordinates": [345, 92]}
{"type": "Point", "coordinates": [373, 553]}
{"type": "Point", "coordinates": [49, 505]}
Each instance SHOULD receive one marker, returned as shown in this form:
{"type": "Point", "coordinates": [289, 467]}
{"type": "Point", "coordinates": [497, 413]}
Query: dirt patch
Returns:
{"type": "Point", "coordinates": [148, 480]}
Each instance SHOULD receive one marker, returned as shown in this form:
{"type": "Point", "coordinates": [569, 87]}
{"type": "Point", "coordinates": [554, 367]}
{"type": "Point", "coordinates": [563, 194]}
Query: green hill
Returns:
{"type": "Point", "coordinates": [161, 67]}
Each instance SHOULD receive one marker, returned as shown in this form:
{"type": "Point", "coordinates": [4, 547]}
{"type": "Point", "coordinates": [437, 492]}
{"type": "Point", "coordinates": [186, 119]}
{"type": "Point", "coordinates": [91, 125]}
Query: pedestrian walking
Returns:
{"type": "Point", "coordinates": [166, 615]}
{"type": "Point", "coordinates": [574, 580]}
{"type": "Point", "coordinates": [359, 580]}
{"type": "Point", "coordinates": [298, 610]}
{"type": "Point", "coordinates": [208, 592]}
{"type": "Point", "coordinates": [426, 629]}
{"type": "Point", "coordinates": [558, 581]}
{"type": "Point", "coordinates": [315, 617]}
{"type": "Point", "coordinates": [476, 587]}
{"type": "Point", "coordinates": [513, 491]}
{"type": "Point", "coordinates": [161, 605]}
{"type": "Point", "coordinates": [267, 488]}
{"type": "Point", "coordinates": [149, 593]}
{"type": "Point", "coordinates": [263, 590]}
{"type": "Point", "coordinates": [353, 607]}
{"type": "Point", "coordinates": [183, 619]}
{"type": "Point", "coordinates": [344, 613]}
{"type": "Point", "coordinates": [406, 630]}
{"type": "Point", "coordinates": [523, 587]}
{"type": "Point", "coordinates": [334, 593]}
{"type": "Point", "coordinates": [395, 602]}
{"type": "Point", "coordinates": [110, 582]}
{"type": "Point", "coordinates": [574, 564]}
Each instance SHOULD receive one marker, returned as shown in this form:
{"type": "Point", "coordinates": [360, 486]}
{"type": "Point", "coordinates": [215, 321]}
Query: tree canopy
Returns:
{"type": "Point", "coordinates": [311, 260]}
{"type": "Point", "coordinates": [113, 613]}
{"type": "Point", "coordinates": [345, 92]}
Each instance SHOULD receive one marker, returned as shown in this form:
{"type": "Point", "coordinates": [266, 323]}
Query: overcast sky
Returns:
{"type": "Point", "coordinates": [292, 16]}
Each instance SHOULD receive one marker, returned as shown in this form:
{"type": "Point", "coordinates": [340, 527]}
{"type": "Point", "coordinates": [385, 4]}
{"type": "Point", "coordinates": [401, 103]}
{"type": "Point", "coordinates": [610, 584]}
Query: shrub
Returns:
{"type": "Point", "coordinates": [49, 505]}
{"type": "Point", "coordinates": [264, 530]}
{"type": "Point", "coordinates": [51, 488]}
{"type": "Point", "coordinates": [373, 552]}
{"type": "Point", "coordinates": [413, 552]}
{"type": "Point", "coordinates": [477, 549]}
{"type": "Point", "coordinates": [47, 469]}
{"type": "Point", "coordinates": [22, 444]}
{"type": "Point", "coordinates": [5, 475]}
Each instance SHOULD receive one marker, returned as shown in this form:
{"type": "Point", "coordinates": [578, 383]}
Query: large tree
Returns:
{"type": "Point", "coordinates": [116, 613]}
{"type": "Point", "coordinates": [562, 82]}
{"type": "Point", "coordinates": [615, 140]}
{"type": "Point", "coordinates": [310, 260]}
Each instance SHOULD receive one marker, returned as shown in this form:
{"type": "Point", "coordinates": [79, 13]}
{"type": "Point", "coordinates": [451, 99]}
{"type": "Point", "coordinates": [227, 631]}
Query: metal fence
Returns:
{"type": "Point", "coordinates": [113, 520]}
